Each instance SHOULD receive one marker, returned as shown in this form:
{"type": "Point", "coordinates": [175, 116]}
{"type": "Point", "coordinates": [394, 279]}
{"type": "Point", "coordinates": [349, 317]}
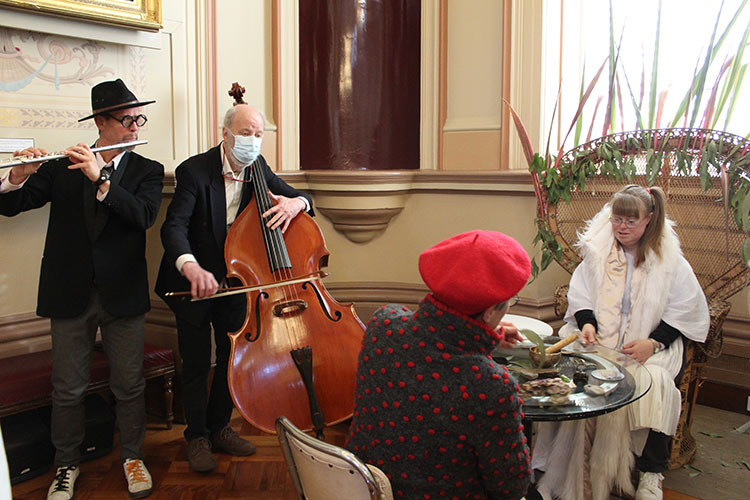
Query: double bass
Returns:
{"type": "Point", "coordinates": [296, 352]}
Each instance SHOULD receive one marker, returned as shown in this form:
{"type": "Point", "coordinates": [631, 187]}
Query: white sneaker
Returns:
{"type": "Point", "coordinates": [649, 487]}
{"type": "Point", "coordinates": [139, 480]}
{"type": "Point", "coordinates": [62, 486]}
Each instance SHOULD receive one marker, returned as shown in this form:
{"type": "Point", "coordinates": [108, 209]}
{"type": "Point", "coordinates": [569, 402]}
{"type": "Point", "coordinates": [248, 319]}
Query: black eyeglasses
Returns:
{"type": "Point", "coordinates": [127, 120]}
{"type": "Point", "coordinates": [515, 300]}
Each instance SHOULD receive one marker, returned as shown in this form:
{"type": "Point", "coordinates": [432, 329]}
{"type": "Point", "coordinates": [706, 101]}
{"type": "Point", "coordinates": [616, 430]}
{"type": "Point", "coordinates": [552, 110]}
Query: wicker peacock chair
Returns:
{"type": "Point", "coordinates": [691, 166]}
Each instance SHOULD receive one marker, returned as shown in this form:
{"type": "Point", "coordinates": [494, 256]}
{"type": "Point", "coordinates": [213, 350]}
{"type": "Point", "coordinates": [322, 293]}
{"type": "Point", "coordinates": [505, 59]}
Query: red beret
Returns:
{"type": "Point", "coordinates": [473, 271]}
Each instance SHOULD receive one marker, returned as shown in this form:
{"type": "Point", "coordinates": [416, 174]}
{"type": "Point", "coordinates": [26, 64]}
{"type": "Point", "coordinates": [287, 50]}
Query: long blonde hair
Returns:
{"type": "Point", "coordinates": [636, 201]}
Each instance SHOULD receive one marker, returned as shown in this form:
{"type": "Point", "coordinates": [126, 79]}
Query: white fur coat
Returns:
{"type": "Point", "coordinates": [670, 291]}
{"type": "Point", "coordinates": [666, 290]}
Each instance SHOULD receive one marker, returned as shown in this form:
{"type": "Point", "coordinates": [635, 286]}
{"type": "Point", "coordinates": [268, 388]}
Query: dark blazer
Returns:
{"type": "Point", "coordinates": [196, 224]}
{"type": "Point", "coordinates": [91, 243]}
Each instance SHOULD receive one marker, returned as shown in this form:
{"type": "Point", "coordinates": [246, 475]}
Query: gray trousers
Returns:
{"type": "Point", "coordinates": [72, 348]}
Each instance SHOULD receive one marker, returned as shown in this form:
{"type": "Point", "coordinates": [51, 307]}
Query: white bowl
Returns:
{"type": "Point", "coordinates": [598, 377]}
{"type": "Point", "coordinates": [525, 323]}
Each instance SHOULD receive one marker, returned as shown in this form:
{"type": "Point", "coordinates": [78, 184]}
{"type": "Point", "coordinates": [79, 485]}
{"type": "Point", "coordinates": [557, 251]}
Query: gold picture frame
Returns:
{"type": "Point", "coordinates": [140, 14]}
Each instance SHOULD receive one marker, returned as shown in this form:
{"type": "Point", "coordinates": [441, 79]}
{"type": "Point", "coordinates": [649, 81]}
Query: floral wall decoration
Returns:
{"type": "Point", "coordinates": [46, 80]}
{"type": "Point", "coordinates": [48, 58]}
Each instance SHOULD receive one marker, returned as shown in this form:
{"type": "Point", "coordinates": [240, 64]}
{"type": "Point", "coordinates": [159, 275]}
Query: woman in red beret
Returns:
{"type": "Point", "coordinates": [433, 410]}
{"type": "Point", "coordinates": [636, 293]}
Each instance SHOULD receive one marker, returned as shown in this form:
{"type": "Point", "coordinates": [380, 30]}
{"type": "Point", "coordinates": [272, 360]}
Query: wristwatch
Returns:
{"type": "Point", "coordinates": [658, 346]}
{"type": "Point", "coordinates": [104, 176]}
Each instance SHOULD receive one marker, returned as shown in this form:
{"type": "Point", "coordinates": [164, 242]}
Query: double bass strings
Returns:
{"type": "Point", "coordinates": [276, 250]}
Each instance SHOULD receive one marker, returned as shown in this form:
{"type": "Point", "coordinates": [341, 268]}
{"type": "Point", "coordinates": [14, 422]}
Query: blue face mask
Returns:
{"type": "Point", "coordinates": [246, 148]}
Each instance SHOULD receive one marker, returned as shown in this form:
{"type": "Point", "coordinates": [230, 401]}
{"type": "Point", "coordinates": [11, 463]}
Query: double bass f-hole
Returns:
{"type": "Point", "coordinates": [249, 335]}
{"type": "Point", "coordinates": [321, 301]}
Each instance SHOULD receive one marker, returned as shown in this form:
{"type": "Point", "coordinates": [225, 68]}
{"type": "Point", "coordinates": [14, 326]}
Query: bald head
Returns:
{"type": "Point", "coordinates": [243, 112]}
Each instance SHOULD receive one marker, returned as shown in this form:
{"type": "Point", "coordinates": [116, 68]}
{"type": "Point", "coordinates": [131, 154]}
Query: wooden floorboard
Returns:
{"type": "Point", "coordinates": [262, 476]}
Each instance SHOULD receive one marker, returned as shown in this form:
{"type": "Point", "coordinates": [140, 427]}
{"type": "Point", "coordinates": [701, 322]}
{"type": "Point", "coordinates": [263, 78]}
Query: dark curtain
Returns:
{"type": "Point", "coordinates": [359, 84]}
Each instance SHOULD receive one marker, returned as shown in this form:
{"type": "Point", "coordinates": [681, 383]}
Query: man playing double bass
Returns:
{"type": "Point", "coordinates": [213, 188]}
{"type": "Point", "coordinates": [94, 275]}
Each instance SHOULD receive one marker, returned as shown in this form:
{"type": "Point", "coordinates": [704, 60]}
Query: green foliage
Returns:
{"type": "Point", "coordinates": [746, 252]}
{"type": "Point", "coordinates": [550, 247]}
{"type": "Point", "coordinates": [612, 157]}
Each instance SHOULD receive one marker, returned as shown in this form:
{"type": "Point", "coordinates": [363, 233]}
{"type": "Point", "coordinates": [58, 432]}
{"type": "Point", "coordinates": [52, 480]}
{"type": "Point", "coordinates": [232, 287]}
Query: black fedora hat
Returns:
{"type": "Point", "coordinates": [111, 96]}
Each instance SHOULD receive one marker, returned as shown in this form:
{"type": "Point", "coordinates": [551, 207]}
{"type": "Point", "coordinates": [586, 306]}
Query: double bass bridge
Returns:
{"type": "Point", "coordinates": [289, 307]}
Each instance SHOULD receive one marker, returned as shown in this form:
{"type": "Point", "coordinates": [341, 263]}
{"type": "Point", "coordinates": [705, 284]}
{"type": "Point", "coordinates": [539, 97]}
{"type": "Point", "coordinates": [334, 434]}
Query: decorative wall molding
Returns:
{"type": "Point", "coordinates": [526, 70]}
{"type": "Point", "coordinates": [430, 87]}
{"type": "Point", "coordinates": [731, 367]}
{"type": "Point", "coordinates": [39, 118]}
{"type": "Point", "coordinates": [506, 84]}
{"type": "Point", "coordinates": [506, 182]}
{"type": "Point", "coordinates": [203, 102]}
{"type": "Point", "coordinates": [360, 225]}
{"type": "Point", "coordinates": [23, 333]}
{"type": "Point", "coordinates": [286, 86]}
{"type": "Point", "coordinates": [737, 335]}
{"type": "Point", "coordinates": [465, 124]}
{"type": "Point", "coordinates": [22, 326]}
{"type": "Point", "coordinates": [361, 203]}
{"type": "Point", "coordinates": [368, 296]}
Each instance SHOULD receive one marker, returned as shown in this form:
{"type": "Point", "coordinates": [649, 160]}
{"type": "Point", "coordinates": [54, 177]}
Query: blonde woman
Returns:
{"type": "Point", "coordinates": [634, 292]}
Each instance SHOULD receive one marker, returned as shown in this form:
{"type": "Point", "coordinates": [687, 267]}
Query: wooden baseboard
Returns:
{"type": "Point", "coordinates": [724, 396]}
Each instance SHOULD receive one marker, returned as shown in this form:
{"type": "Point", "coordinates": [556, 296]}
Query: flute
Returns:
{"type": "Point", "coordinates": [20, 160]}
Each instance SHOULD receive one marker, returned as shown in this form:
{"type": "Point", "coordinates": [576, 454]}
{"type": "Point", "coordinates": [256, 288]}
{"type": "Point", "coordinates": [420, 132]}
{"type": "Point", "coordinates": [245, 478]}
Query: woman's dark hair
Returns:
{"type": "Point", "coordinates": [637, 201]}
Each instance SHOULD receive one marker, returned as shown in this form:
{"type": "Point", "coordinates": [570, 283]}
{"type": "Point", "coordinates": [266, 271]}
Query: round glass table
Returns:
{"type": "Point", "coordinates": [576, 363]}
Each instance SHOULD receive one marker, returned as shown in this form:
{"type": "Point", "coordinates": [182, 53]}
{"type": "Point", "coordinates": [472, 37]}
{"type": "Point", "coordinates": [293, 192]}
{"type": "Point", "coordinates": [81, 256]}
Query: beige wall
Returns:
{"type": "Point", "coordinates": [471, 132]}
{"type": "Point", "coordinates": [426, 219]}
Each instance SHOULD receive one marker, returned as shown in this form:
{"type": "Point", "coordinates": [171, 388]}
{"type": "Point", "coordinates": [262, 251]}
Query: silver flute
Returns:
{"type": "Point", "coordinates": [20, 160]}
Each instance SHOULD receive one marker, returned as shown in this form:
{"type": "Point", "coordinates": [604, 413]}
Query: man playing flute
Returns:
{"type": "Point", "coordinates": [93, 275]}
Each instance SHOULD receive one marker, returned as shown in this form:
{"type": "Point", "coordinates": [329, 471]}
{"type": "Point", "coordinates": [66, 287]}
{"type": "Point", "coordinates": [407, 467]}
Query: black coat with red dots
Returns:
{"type": "Point", "coordinates": [434, 411]}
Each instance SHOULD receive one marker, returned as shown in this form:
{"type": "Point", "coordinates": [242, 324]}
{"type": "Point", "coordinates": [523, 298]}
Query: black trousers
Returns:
{"type": "Point", "coordinates": [208, 411]}
{"type": "Point", "coordinates": [655, 455]}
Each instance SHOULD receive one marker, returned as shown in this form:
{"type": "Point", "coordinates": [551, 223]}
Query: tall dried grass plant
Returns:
{"type": "Point", "coordinates": [555, 176]}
